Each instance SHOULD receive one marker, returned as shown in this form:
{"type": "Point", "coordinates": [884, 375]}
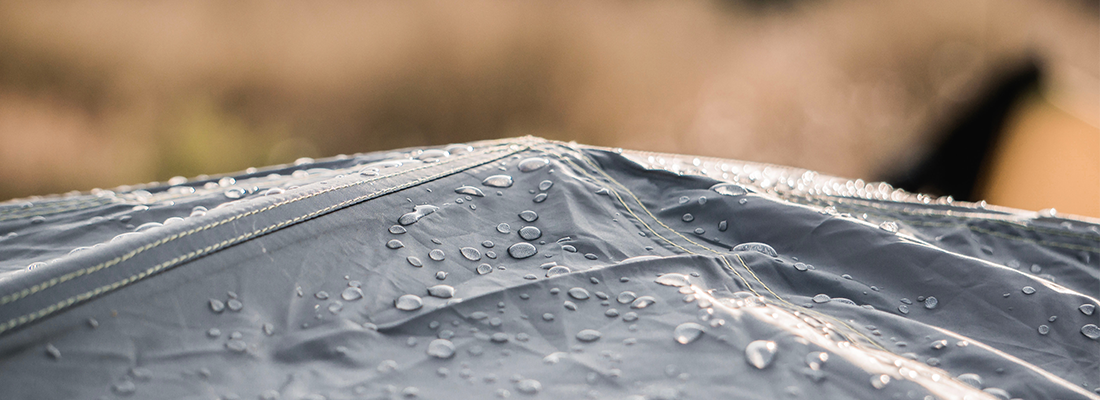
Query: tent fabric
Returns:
{"type": "Point", "coordinates": [527, 268]}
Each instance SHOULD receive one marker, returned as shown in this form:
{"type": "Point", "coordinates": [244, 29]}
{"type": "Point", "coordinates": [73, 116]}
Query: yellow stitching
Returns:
{"type": "Point", "coordinates": [102, 289]}
{"type": "Point", "coordinates": [54, 281]}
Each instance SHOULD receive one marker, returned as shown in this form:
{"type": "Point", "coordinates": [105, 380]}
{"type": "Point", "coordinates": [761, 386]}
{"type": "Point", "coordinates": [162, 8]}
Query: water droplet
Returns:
{"type": "Point", "coordinates": [395, 244]}
{"type": "Point", "coordinates": [528, 386]}
{"type": "Point", "coordinates": [729, 189]}
{"type": "Point", "coordinates": [722, 226]}
{"type": "Point", "coordinates": [437, 255]}
{"type": "Point", "coordinates": [441, 348]}
{"type": "Point", "coordinates": [904, 309]}
{"type": "Point", "coordinates": [630, 317]}
{"type": "Point", "coordinates": [557, 270]}
{"type": "Point", "coordinates": [530, 233]}
{"type": "Point", "coordinates": [352, 294]}
{"type": "Point", "coordinates": [939, 344]}
{"type": "Point", "coordinates": [674, 280]}
{"type": "Point", "coordinates": [588, 335]}
{"type": "Point", "coordinates": [498, 181]}
{"type": "Point", "coordinates": [522, 250]}
{"type": "Point", "coordinates": [1028, 290]}
{"type": "Point", "coordinates": [643, 302]}
{"type": "Point", "coordinates": [687, 217]}
{"type": "Point", "coordinates": [470, 253]}
{"type": "Point", "coordinates": [931, 302]}
{"type": "Point", "coordinates": [578, 293]}
{"type": "Point", "coordinates": [268, 329]}
{"type": "Point", "coordinates": [417, 213]}
{"type": "Point", "coordinates": [235, 193]}
{"type": "Point", "coordinates": [545, 185]}
{"type": "Point", "coordinates": [1043, 329]}
{"type": "Point", "coordinates": [687, 332]}
{"type": "Point", "coordinates": [409, 302]}
{"type": "Point", "coordinates": [889, 226]}
{"type": "Point", "coordinates": [217, 305]}
{"type": "Point", "coordinates": [234, 305]}
{"type": "Point", "coordinates": [124, 388]}
{"type": "Point", "coordinates": [1035, 268]}
{"type": "Point", "coordinates": [1087, 309]}
{"type": "Point", "coordinates": [760, 353]}
{"type": "Point", "coordinates": [626, 297]}
{"type": "Point", "coordinates": [483, 269]}
{"type": "Point", "coordinates": [569, 249]}
{"type": "Point", "coordinates": [539, 198]}
{"type": "Point", "coordinates": [52, 351]}
{"type": "Point", "coordinates": [611, 313]}
{"type": "Point", "coordinates": [532, 164]}
{"type": "Point", "coordinates": [880, 381]}
{"type": "Point", "coordinates": [470, 191]}
{"type": "Point", "coordinates": [758, 247]}
{"type": "Point", "coordinates": [1091, 331]}
{"type": "Point", "coordinates": [822, 298]}
{"type": "Point", "coordinates": [528, 215]}
{"type": "Point", "coordinates": [414, 261]}
{"type": "Point", "coordinates": [504, 228]}
{"type": "Point", "coordinates": [974, 380]}
{"type": "Point", "coordinates": [236, 345]}
{"type": "Point", "coordinates": [214, 332]}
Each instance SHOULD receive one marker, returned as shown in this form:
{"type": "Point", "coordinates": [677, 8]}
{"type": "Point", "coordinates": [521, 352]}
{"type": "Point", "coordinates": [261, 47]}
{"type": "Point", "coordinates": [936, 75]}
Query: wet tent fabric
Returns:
{"type": "Point", "coordinates": [533, 269]}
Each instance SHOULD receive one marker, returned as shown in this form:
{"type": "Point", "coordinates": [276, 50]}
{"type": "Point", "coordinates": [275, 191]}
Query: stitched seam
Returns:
{"type": "Point", "coordinates": [15, 322]}
{"type": "Point", "coordinates": [75, 274]}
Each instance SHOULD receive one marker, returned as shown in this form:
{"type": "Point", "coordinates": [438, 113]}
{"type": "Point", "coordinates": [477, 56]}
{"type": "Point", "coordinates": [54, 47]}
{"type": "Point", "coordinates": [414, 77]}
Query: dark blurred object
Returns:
{"type": "Point", "coordinates": [964, 152]}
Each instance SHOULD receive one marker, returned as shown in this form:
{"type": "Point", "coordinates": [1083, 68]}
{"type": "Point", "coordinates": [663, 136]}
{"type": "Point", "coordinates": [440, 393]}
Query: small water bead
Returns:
{"type": "Point", "coordinates": [414, 261]}
{"type": "Point", "coordinates": [545, 185]}
{"type": "Point", "coordinates": [530, 233]}
{"type": "Point", "coordinates": [437, 255]}
{"type": "Point", "coordinates": [268, 329]}
{"type": "Point", "coordinates": [532, 164]}
{"type": "Point", "coordinates": [687, 217]}
{"type": "Point", "coordinates": [569, 305]}
{"type": "Point", "coordinates": [217, 305]}
{"type": "Point", "coordinates": [418, 212]}
{"type": "Point", "coordinates": [236, 345]}
{"type": "Point", "coordinates": [578, 293]}
{"type": "Point", "coordinates": [528, 215]}
{"type": "Point", "coordinates": [498, 181]}
{"type": "Point", "coordinates": [931, 302]}
{"type": "Point", "coordinates": [470, 191]}
{"type": "Point", "coordinates": [630, 317]}
{"type": "Point", "coordinates": [441, 291]}
{"type": "Point", "coordinates": [470, 253]}
{"type": "Point", "coordinates": [1043, 329]}
{"type": "Point", "coordinates": [722, 226]}
{"type": "Point", "coordinates": [547, 317]}
{"type": "Point", "coordinates": [1087, 309]}
{"type": "Point", "coordinates": [409, 302]}
{"type": "Point", "coordinates": [504, 228]}
{"type": "Point", "coordinates": [522, 250]}
{"type": "Point", "coordinates": [539, 198]}
{"type": "Point", "coordinates": [904, 309]}
{"type": "Point", "coordinates": [124, 388]}
{"type": "Point", "coordinates": [395, 244]}
{"type": "Point", "coordinates": [939, 344]}
{"type": "Point", "coordinates": [760, 353]}
{"type": "Point", "coordinates": [557, 270]}
{"type": "Point", "coordinates": [234, 305]}
{"type": "Point", "coordinates": [757, 247]}
{"type": "Point", "coordinates": [499, 337]}
{"type": "Point", "coordinates": [528, 386]}
{"type": "Point", "coordinates": [626, 297]}
{"type": "Point", "coordinates": [643, 302]}
{"type": "Point", "coordinates": [687, 332]}
{"type": "Point", "coordinates": [822, 298]}
{"type": "Point", "coordinates": [569, 248]}
{"type": "Point", "coordinates": [588, 335]}
{"type": "Point", "coordinates": [889, 226]}
{"type": "Point", "coordinates": [1035, 268]}
{"type": "Point", "coordinates": [973, 380]}
{"type": "Point", "coordinates": [1028, 290]}
{"type": "Point", "coordinates": [700, 231]}
{"type": "Point", "coordinates": [1091, 331]}
{"type": "Point", "coordinates": [674, 280]}
{"type": "Point", "coordinates": [880, 381]}
{"type": "Point", "coordinates": [440, 275]}
{"type": "Point", "coordinates": [483, 269]}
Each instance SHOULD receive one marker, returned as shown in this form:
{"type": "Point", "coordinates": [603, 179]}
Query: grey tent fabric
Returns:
{"type": "Point", "coordinates": [526, 268]}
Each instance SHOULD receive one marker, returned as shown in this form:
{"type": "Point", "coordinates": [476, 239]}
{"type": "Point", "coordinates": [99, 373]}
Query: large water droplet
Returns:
{"type": "Point", "coordinates": [530, 233]}
{"type": "Point", "coordinates": [557, 270]}
{"type": "Point", "coordinates": [528, 215]}
{"type": "Point", "coordinates": [545, 185]}
{"type": "Point", "coordinates": [414, 261]}
{"type": "Point", "coordinates": [588, 335]}
{"type": "Point", "coordinates": [722, 226]}
{"type": "Point", "coordinates": [1087, 309]}
{"type": "Point", "coordinates": [397, 229]}
{"type": "Point", "coordinates": [441, 348]}
{"type": "Point", "coordinates": [499, 181]}
{"type": "Point", "coordinates": [522, 250]}
{"type": "Point", "coordinates": [1091, 331]}
{"type": "Point", "coordinates": [352, 294]}
{"type": "Point", "coordinates": [729, 189]}
{"type": "Point", "coordinates": [539, 198]}
{"type": "Point", "coordinates": [441, 291]}
{"type": "Point", "coordinates": [470, 190]}
{"type": "Point", "coordinates": [757, 247]}
{"type": "Point", "coordinates": [931, 302]}
{"type": "Point", "coordinates": [483, 269]}
{"type": "Point", "coordinates": [578, 293]}
{"type": "Point", "coordinates": [470, 253]}
{"type": "Point", "coordinates": [395, 244]}
{"type": "Point", "coordinates": [687, 217]}
{"type": "Point", "coordinates": [626, 297]}
{"type": "Point", "coordinates": [417, 213]}
{"type": "Point", "coordinates": [687, 332]}
{"type": "Point", "coordinates": [437, 255]}
{"type": "Point", "coordinates": [1028, 290]}
{"type": "Point", "coordinates": [760, 353]}
{"type": "Point", "coordinates": [217, 305]}
{"type": "Point", "coordinates": [528, 386]}
{"type": "Point", "coordinates": [643, 302]}
{"type": "Point", "coordinates": [409, 302]}
{"type": "Point", "coordinates": [1043, 329]}
{"type": "Point", "coordinates": [674, 280]}
{"type": "Point", "coordinates": [504, 228]}
{"type": "Point", "coordinates": [532, 164]}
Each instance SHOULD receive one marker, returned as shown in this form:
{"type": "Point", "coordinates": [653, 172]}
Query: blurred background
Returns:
{"type": "Point", "coordinates": [978, 99]}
